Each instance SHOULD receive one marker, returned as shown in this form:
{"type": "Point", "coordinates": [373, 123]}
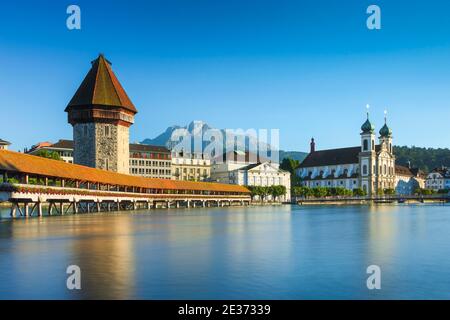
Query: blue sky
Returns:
{"type": "Point", "coordinates": [305, 67]}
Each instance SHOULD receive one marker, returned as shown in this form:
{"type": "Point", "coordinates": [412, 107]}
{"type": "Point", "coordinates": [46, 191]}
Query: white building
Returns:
{"type": "Point", "coordinates": [408, 180]}
{"type": "Point", "coordinates": [438, 179]}
{"type": "Point", "coordinates": [4, 144]}
{"type": "Point", "coordinates": [190, 167]}
{"type": "Point", "coordinates": [248, 169]}
{"type": "Point", "coordinates": [369, 166]}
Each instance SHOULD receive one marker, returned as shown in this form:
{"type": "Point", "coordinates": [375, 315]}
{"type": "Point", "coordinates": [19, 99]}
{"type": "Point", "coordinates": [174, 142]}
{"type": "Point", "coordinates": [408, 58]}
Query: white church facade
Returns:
{"type": "Point", "coordinates": [370, 166]}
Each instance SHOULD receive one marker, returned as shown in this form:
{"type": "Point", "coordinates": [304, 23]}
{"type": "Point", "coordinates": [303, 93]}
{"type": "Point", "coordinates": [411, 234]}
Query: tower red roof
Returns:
{"type": "Point", "coordinates": [101, 87]}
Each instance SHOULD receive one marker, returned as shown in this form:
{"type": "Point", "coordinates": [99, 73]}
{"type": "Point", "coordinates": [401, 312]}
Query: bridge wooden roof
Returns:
{"type": "Point", "coordinates": [28, 164]}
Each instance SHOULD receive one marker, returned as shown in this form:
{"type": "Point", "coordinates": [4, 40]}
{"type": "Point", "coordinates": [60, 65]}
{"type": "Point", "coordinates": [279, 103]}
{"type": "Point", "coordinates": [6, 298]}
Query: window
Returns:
{"type": "Point", "coordinates": [85, 131]}
{"type": "Point", "coordinates": [366, 145]}
{"type": "Point", "coordinates": [107, 132]}
{"type": "Point", "coordinates": [107, 164]}
{"type": "Point", "coordinates": [364, 169]}
{"type": "Point", "coordinates": [373, 145]}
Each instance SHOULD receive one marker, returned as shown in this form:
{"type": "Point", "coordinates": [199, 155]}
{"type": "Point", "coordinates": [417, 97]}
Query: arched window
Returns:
{"type": "Point", "coordinates": [373, 145]}
{"type": "Point", "coordinates": [366, 145]}
{"type": "Point", "coordinates": [385, 170]}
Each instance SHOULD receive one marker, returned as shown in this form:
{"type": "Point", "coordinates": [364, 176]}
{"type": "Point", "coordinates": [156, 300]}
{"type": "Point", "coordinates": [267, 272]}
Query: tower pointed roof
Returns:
{"type": "Point", "coordinates": [101, 87]}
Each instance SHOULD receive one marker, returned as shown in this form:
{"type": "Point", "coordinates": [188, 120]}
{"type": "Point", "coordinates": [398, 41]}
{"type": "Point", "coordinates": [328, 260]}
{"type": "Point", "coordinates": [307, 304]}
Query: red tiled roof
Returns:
{"type": "Point", "coordinates": [100, 87]}
{"type": "Point", "coordinates": [33, 165]}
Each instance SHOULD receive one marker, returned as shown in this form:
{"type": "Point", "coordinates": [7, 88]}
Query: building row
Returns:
{"type": "Point", "coordinates": [438, 179]}
{"type": "Point", "coordinates": [241, 168]}
{"type": "Point", "coordinates": [101, 114]}
{"type": "Point", "coordinates": [370, 166]}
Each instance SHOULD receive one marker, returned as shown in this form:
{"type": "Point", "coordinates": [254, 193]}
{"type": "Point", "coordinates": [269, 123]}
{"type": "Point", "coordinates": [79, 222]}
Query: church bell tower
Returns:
{"type": "Point", "coordinates": [101, 114]}
{"type": "Point", "coordinates": [367, 157]}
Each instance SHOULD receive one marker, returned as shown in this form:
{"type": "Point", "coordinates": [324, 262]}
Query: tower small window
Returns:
{"type": "Point", "coordinates": [364, 169]}
{"type": "Point", "coordinates": [107, 131]}
{"type": "Point", "coordinates": [85, 131]}
{"type": "Point", "coordinates": [366, 145]}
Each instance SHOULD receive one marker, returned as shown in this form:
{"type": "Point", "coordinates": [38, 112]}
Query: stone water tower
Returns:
{"type": "Point", "coordinates": [101, 114]}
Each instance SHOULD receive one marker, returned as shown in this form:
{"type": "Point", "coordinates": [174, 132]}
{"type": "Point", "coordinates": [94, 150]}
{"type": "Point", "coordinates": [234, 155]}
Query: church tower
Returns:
{"type": "Point", "coordinates": [386, 136]}
{"type": "Point", "coordinates": [386, 159]}
{"type": "Point", "coordinates": [367, 157]}
{"type": "Point", "coordinates": [101, 114]}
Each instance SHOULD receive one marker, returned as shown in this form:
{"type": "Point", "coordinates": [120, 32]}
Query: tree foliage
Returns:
{"type": "Point", "coordinates": [48, 154]}
{"type": "Point", "coordinates": [263, 192]}
{"type": "Point", "coordinates": [426, 159]}
{"type": "Point", "coordinates": [322, 192]}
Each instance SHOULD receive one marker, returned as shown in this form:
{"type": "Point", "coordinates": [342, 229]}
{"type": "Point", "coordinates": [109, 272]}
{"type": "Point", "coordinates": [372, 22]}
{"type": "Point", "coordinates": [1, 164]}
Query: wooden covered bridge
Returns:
{"type": "Point", "coordinates": [33, 185]}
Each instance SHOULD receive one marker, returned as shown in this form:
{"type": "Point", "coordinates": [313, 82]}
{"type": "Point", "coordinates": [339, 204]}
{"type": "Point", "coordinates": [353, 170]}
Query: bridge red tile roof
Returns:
{"type": "Point", "coordinates": [24, 163]}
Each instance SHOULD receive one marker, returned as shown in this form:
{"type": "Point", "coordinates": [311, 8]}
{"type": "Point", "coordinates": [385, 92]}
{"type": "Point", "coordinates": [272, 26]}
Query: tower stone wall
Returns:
{"type": "Point", "coordinates": [102, 145]}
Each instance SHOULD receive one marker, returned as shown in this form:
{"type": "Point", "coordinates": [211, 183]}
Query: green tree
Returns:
{"type": "Point", "coordinates": [277, 191]}
{"type": "Point", "coordinates": [48, 154]}
{"type": "Point", "coordinates": [359, 192]}
{"type": "Point", "coordinates": [291, 165]}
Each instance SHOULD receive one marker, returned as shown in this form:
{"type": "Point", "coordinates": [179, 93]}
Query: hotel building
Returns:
{"type": "Point", "coordinates": [190, 167]}
{"type": "Point", "coordinates": [145, 160]}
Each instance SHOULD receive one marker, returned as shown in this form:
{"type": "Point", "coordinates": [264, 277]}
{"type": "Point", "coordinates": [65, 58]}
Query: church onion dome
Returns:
{"type": "Point", "coordinates": [367, 127]}
{"type": "Point", "coordinates": [385, 131]}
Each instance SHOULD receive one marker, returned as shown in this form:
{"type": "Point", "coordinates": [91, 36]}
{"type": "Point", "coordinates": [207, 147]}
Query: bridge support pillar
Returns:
{"type": "Point", "coordinates": [26, 209]}
{"type": "Point", "coordinates": [13, 210]}
{"type": "Point", "coordinates": [61, 208]}
{"type": "Point", "coordinates": [177, 204]}
{"type": "Point", "coordinates": [39, 209]}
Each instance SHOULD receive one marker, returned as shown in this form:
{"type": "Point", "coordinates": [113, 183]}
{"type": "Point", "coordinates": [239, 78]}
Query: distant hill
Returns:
{"type": "Point", "coordinates": [424, 158]}
{"type": "Point", "coordinates": [294, 155]}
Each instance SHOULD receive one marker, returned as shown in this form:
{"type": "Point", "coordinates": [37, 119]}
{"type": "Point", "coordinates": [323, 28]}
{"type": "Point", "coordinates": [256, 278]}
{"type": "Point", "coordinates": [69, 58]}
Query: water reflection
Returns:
{"type": "Point", "coordinates": [242, 253]}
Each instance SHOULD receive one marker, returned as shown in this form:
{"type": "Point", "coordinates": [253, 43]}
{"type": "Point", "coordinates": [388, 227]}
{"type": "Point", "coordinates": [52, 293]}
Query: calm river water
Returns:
{"type": "Point", "coordinates": [285, 252]}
